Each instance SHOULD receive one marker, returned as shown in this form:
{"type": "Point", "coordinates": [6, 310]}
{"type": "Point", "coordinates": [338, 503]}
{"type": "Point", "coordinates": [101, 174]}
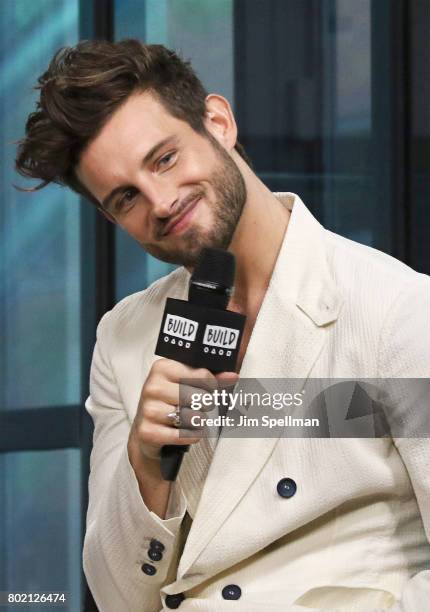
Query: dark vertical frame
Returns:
{"type": "Point", "coordinates": [98, 268]}
{"type": "Point", "coordinates": [327, 83]}
{"type": "Point", "coordinates": [418, 14]}
{"type": "Point", "coordinates": [391, 118]}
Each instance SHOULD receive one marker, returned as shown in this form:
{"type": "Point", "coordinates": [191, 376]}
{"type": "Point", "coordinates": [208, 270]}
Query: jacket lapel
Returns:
{"type": "Point", "coordinates": [290, 330]}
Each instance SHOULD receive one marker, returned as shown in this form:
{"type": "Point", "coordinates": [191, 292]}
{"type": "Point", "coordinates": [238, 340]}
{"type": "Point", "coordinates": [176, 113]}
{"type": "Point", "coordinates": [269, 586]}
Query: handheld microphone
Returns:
{"type": "Point", "coordinates": [201, 332]}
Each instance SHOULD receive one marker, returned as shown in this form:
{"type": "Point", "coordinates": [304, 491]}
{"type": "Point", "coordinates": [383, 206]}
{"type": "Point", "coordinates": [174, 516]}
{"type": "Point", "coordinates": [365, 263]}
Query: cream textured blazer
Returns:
{"type": "Point", "coordinates": [355, 535]}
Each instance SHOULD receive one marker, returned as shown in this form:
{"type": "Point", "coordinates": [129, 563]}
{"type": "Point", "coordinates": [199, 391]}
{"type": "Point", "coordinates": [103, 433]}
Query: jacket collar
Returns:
{"type": "Point", "coordinates": [302, 266]}
{"type": "Point", "coordinates": [301, 299]}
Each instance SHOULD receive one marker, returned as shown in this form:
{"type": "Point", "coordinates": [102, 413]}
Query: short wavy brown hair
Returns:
{"type": "Point", "coordinates": [83, 86]}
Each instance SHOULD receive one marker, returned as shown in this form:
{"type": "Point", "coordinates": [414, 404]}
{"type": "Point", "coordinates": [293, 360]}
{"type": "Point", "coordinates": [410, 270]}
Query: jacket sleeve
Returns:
{"type": "Point", "coordinates": [405, 355]}
{"type": "Point", "coordinates": [119, 526]}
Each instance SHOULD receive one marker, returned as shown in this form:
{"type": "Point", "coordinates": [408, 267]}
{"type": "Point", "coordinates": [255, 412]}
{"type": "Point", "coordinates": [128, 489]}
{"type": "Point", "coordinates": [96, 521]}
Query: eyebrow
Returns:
{"type": "Point", "coordinates": [107, 201]}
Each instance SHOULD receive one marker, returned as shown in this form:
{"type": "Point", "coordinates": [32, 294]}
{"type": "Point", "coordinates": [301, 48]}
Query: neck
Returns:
{"type": "Point", "coordinates": [256, 243]}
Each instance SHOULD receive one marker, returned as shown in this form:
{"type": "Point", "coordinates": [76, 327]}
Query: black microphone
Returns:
{"type": "Point", "coordinates": [201, 333]}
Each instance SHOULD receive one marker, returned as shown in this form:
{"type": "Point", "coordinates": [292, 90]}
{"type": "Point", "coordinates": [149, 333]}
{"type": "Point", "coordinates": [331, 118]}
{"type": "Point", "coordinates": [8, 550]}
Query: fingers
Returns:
{"type": "Point", "coordinates": [174, 371]}
{"type": "Point", "coordinates": [230, 378]}
{"type": "Point", "coordinates": [168, 385]}
{"type": "Point", "coordinates": [159, 435]}
{"type": "Point", "coordinates": [175, 383]}
{"type": "Point", "coordinates": [190, 419]}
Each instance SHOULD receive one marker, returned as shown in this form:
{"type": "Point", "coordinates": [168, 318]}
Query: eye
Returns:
{"type": "Point", "coordinates": [126, 199]}
{"type": "Point", "coordinates": [166, 160]}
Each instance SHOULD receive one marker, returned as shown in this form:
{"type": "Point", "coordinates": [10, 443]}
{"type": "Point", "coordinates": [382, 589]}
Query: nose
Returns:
{"type": "Point", "coordinates": [162, 198]}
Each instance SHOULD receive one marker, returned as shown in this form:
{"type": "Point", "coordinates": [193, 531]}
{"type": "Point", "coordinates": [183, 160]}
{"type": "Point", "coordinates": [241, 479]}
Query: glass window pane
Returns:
{"type": "Point", "coordinates": [40, 526]}
{"type": "Point", "coordinates": [349, 201]}
{"type": "Point", "coordinates": [200, 30]}
{"type": "Point", "coordinates": [39, 232]}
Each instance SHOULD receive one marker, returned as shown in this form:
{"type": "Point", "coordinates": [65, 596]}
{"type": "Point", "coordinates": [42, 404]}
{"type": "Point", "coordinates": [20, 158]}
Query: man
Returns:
{"type": "Point", "coordinates": [251, 524]}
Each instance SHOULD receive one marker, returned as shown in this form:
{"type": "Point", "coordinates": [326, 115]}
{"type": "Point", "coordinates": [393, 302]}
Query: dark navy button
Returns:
{"type": "Point", "coordinates": [286, 487]}
{"type": "Point", "coordinates": [174, 601]}
{"type": "Point", "coordinates": [148, 569]}
{"type": "Point", "coordinates": [231, 591]}
{"type": "Point", "coordinates": [156, 545]}
{"type": "Point", "coordinates": [155, 555]}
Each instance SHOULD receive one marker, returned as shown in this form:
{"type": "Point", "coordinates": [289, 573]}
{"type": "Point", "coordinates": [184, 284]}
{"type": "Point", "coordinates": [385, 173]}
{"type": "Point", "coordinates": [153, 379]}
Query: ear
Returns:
{"type": "Point", "coordinates": [106, 214]}
{"type": "Point", "coordinates": [219, 120]}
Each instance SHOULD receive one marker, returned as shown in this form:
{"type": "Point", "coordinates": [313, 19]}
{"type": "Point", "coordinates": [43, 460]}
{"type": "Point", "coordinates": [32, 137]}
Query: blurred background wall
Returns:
{"type": "Point", "coordinates": [332, 99]}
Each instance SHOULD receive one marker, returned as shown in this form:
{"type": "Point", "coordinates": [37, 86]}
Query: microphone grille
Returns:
{"type": "Point", "coordinates": [216, 266]}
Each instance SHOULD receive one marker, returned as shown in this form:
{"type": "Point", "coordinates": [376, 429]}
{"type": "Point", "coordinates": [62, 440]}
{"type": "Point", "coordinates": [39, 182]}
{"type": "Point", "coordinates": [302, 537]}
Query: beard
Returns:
{"type": "Point", "coordinates": [230, 197]}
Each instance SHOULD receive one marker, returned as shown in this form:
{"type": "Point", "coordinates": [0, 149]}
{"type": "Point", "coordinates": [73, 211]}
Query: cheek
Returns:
{"type": "Point", "coordinates": [205, 213]}
{"type": "Point", "coordinates": [137, 224]}
{"type": "Point", "coordinates": [198, 165]}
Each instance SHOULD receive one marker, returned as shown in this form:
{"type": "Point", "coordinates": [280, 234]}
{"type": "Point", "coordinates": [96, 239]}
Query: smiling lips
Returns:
{"type": "Point", "coordinates": [179, 223]}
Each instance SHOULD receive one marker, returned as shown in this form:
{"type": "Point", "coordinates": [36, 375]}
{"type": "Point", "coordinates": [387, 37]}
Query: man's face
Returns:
{"type": "Point", "coordinates": [173, 190]}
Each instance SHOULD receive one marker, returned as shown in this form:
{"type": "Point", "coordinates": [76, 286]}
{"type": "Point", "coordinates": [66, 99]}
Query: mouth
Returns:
{"type": "Point", "coordinates": [179, 223]}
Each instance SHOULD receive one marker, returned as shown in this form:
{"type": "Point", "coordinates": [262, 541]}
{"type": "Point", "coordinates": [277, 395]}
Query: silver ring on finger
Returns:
{"type": "Point", "coordinates": [175, 417]}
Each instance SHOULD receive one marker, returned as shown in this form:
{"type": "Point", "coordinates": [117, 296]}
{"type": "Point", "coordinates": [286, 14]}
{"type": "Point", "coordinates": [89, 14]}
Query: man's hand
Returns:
{"type": "Point", "coordinates": [152, 429]}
